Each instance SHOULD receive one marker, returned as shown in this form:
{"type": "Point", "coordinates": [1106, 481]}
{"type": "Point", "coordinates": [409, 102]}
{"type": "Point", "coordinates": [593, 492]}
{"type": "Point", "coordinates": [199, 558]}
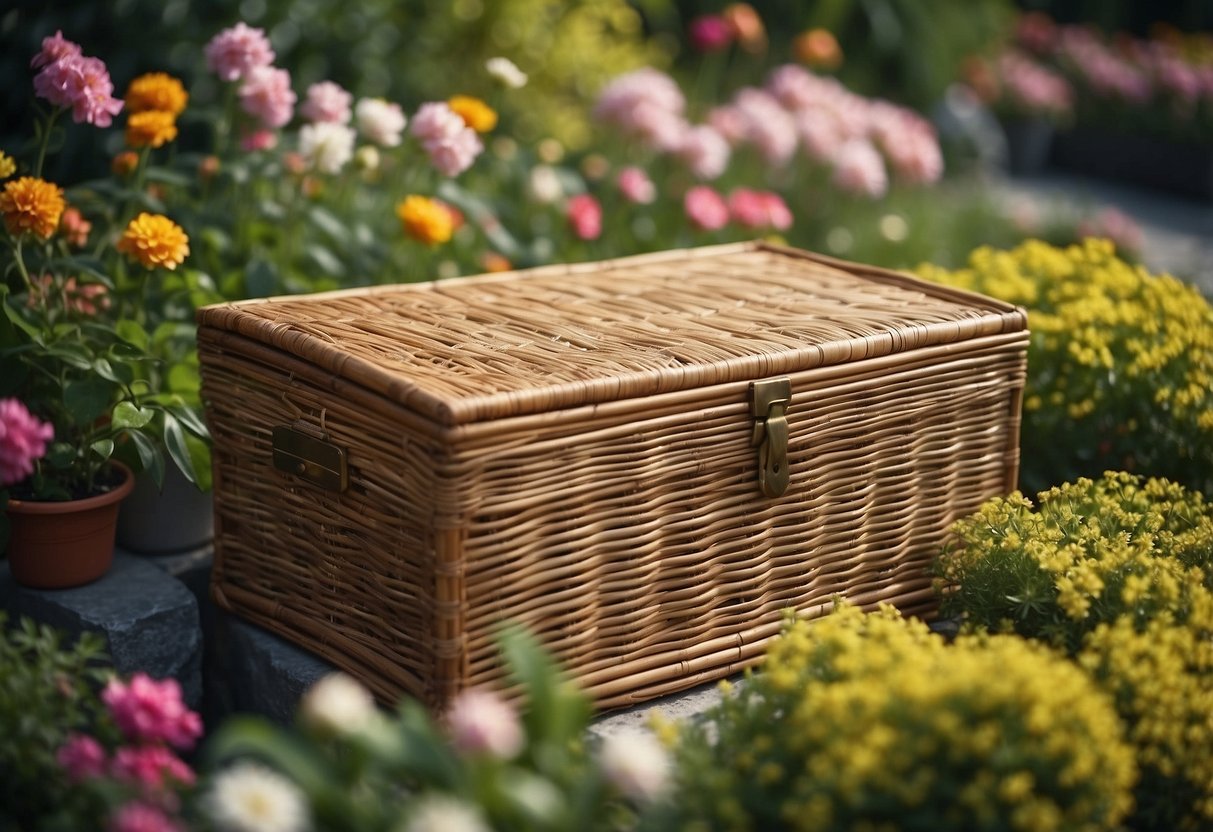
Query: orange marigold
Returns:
{"type": "Point", "coordinates": [150, 128]}
{"type": "Point", "coordinates": [425, 219]}
{"type": "Point", "coordinates": [156, 91]}
{"type": "Point", "coordinates": [475, 113]}
{"type": "Point", "coordinates": [818, 48]}
{"type": "Point", "coordinates": [31, 206]}
{"type": "Point", "coordinates": [154, 240]}
{"type": "Point", "coordinates": [125, 163]}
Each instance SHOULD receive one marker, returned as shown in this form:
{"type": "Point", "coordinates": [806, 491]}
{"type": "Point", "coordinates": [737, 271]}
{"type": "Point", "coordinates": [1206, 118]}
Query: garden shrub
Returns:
{"type": "Point", "coordinates": [1092, 552]}
{"type": "Point", "coordinates": [1120, 363]}
{"type": "Point", "coordinates": [870, 721]}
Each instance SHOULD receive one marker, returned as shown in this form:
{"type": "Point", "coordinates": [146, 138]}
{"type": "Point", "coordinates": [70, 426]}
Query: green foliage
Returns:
{"type": "Point", "coordinates": [1120, 365]}
{"type": "Point", "coordinates": [869, 721]}
{"type": "Point", "coordinates": [47, 690]}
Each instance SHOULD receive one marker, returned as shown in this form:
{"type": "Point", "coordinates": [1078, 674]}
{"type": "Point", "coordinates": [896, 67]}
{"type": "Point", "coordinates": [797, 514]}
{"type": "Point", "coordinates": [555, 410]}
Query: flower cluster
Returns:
{"type": "Point", "coordinates": [1015, 85]}
{"type": "Point", "coordinates": [68, 79]}
{"type": "Point", "coordinates": [871, 721]}
{"type": "Point", "coordinates": [23, 441]}
{"type": "Point", "coordinates": [1120, 362]}
{"type": "Point", "coordinates": [143, 771]}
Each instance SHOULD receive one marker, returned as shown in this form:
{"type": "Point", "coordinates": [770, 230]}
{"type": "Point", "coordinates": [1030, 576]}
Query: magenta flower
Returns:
{"type": "Point", "coordinates": [759, 209]}
{"type": "Point", "coordinates": [327, 102]}
{"type": "Point", "coordinates": [55, 48]}
{"type": "Point", "coordinates": [142, 817]}
{"type": "Point", "coordinates": [81, 757]}
{"type": "Point", "coordinates": [151, 711]}
{"type": "Point", "coordinates": [585, 217]}
{"type": "Point", "coordinates": [23, 441]}
{"type": "Point", "coordinates": [636, 186]}
{"type": "Point", "coordinates": [481, 722]}
{"type": "Point", "coordinates": [84, 85]}
{"type": "Point", "coordinates": [710, 33]}
{"type": "Point", "coordinates": [234, 53]}
{"type": "Point", "coordinates": [705, 208]}
{"type": "Point", "coordinates": [151, 766]}
{"type": "Point", "coordinates": [266, 95]}
{"type": "Point", "coordinates": [705, 151]}
{"type": "Point", "coordinates": [258, 140]}
{"type": "Point", "coordinates": [859, 170]}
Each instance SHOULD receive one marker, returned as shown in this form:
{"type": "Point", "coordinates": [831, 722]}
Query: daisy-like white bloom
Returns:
{"type": "Point", "coordinates": [338, 704]}
{"type": "Point", "coordinates": [506, 72]}
{"type": "Point", "coordinates": [635, 763]}
{"type": "Point", "coordinates": [380, 121]}
{"type": "Point", "coordinates": [252, 798]}
{"type": "Point", "coordinates": [327, 145]}
{"type": "Point", "coordinates": [441, 813]}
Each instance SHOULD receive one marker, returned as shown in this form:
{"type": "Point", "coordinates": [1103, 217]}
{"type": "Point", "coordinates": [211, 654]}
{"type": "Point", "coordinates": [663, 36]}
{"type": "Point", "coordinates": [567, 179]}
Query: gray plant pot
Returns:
{"type": "Point", "coordinates": [156, 522]}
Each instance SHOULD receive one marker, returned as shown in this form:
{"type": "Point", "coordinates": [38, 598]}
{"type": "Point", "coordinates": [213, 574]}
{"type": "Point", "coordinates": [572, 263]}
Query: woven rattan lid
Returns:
{"type": "Point", "coordinates": [487, 347]}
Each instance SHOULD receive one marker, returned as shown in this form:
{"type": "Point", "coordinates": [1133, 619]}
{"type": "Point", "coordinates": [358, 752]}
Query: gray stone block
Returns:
{"type": "Point", "coordinates": [148, 618]}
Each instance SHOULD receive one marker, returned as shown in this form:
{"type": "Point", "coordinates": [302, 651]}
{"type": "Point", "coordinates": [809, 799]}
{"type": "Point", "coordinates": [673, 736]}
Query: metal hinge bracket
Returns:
{"type": "Point", "coordinates": [769, 402]}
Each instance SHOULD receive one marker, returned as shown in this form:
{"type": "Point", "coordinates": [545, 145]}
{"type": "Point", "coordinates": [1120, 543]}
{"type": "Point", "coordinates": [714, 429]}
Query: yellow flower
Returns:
{"type": "Point", "coordinates": [156, 91]}
{"type": "Point", "coordinates": [7, 166]}
{"type": "Point", "coordinates": [154, 240]}
{"type": "Point", "coordinates": [425, 219]}
{"type": "Point", "coordinates": [475, 113]}
{"type": "Point", "coordinates": [150, 128]}
{"type": "Point", "coordinates": [31, 206]}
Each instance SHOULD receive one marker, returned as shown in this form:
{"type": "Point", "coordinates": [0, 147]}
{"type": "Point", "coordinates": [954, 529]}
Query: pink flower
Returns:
{"type": "Point", "coordinates": [585, 217]}
{"type": "Point", "coordinates": [152, 711]}
{"type": "Point", "coordinates": [327, 101]}
{"type": "Point", "coordinates": [730, 122]}
{"type": "Point", "coordinates": [1115, 225]}
{"type": "Point", "coordinates": [23, 440]}
{"type": "Point", "coordinates": [153, 767]}
{"type": "Point", "coordinates": [798, 89]}
{"type": "Point", "coordinates": [435, 121]}
{"type": "Point", "coordinates": [481, 722]}
{"type": "Point", "coordinates": [759, 209]}
{"type": "Point", "coordinates": [646, 104]}
{"type": "Point", "coordinates": [710, 33]}
{"type": "Point", "coordinates": [258, 140]}
{"type": "Point", "coordinates": [452, 145]}
{"type": "Point", "coordinates": [705, 151]}
{"type": "Point", "coordinates": [636, 186]}
{"type": "Point", "coordinates": [858, 169]}
{"type": "Point", "coordinates": [55, 48]}
{"type": "Point", "coordinates": [266, 95]}
{"type": "Point", "coordinates": [234, 53]}
{"type": "Point", "coordinates": [81, 757]}
{"type": "Point", "coordinates": [84, 85]}
{"type": "Point", "coordinates": [142, 817]}
{"type": "Point", "coordinates": [769, 127]}
{"type": "Point", "coordinates": [705, 208]}
{"type": "Point", "coordinates": [909, 142]}
{"type": "Point", "coordinates": [820, 134]}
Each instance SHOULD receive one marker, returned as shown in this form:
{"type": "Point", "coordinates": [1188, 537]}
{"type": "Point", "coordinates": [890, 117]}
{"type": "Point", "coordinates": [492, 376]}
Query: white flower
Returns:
{"type": "Point", "coordinates": [367, 158]}
{"type": "Point", "coordinates": [440, 813]}
{"type": "Point", "coordinates": [251, 798]}
{"type": "Point", "coordinates": [481, 722]}
{"type": "Point", "coordinates": [380, 121]}
{"type": "Point", "coordinates": [506, 72]}
{"type": "Point", "coordinates": [327, 145]}
{"type": "Point", "coordinates": [337, 704]}
{"type": "Point", "coordinates": [634, 763]}
{"type": "Point", "coordinates": [544, 184]}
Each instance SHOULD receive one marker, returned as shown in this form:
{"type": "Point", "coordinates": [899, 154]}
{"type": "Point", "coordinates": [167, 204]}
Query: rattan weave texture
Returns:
{"type": "Point", "coordinates": [570, 448]}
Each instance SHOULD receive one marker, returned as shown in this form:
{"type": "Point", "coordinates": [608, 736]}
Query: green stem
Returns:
{"type": "Point", "coordinates": [29, 284]}
{"type": "Point", "coordinates": [46, 140]}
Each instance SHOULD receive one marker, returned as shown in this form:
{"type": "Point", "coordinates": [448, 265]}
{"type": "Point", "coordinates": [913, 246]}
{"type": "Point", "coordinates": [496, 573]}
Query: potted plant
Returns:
{"type": "Point", "coordinates": [86, 392]}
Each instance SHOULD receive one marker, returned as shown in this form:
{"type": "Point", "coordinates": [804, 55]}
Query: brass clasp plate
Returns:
{"type": "Point", "coordinates": [769, 402]}
{"type": "Point", "coordinates": [304, 451]}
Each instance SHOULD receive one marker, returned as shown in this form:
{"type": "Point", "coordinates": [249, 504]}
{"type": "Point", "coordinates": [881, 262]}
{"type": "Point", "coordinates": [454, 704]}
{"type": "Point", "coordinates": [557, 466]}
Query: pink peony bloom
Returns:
{"type": "Point", "coordinates": [647, 104]}
{"type": "Point", "coordinates": [327, 102]}
{"type": "Point", "coordinates": [908, 141]}
{"type": "Point", "coordinates": [585, 217]}
{"type": "Point", "coordinates": [55, 48]}
{"type": "Point", "coordinates": [636, 186]}
{"type": "Point", "coordinates": [153, 767]}
{"type": "Point", "coordinates": [258, 140]}
{"type": "Point", "coordinates": [380, 121]}
{"type": "Point", "coordinates": [710, 33]}
{"type": "Point", "coordinates": [84, 85]}
{"type": "Point", "coordinates": [266, 95]}
{"type": "Point", "coordinates": [798, 89]}
{"type": "Point", "coordinates": [769, 127]}
{"type": "Point", "coordinates": [759, 209]}
{"type": "Point", "coordinates": [705, 208]}
{"type": "Point", "coordinates": [481, 722]}
{"type": "Point", "coordinates": [234, 53]}
{"type": "Point", "coordinates": [81, 757]}
{"type": "Point", "coordinates": [435, 120]}
{"type": "Point", "coordinates": [151, 711]}
{"type": "Point", "coordinates": [451, 145]}
{"type": "Point", "coordinates": [858, 169]}
{"type": "Point", "coordinates": [705, 151]}
{"type": "Point", "coordinates": [23, 441]}
{"type": "Point", "coordinates": [820, 134]}
{"type": "Point", "coordinates": [730, 122]}
{"type": "Point", "coordinates": [142, 817]}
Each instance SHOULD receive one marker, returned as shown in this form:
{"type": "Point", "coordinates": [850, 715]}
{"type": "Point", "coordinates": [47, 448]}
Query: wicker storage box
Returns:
{"type": "Point", "coordinates": [646, 461]}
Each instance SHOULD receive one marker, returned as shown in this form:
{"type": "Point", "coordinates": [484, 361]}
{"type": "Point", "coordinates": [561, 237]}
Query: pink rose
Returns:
{"type": "Point", "coordinates": [234, 53]}
{"type": "Point", "coordinates": [705, 208]}
{"type": "Point", "coordinates": [481, 722]}
{"type": "Point", "coordinates": [759, 209]}
{"type": "Point", "coordinates": [81, 757]}
{"type": "Point", "coordinates": [327, 102]}
{"type": "Point", "coordinates": [266, 95]}
{"type": "Point", "coordinates": [23, 441]}
{"type": "Point", "coordinates": [151, 711]}
{"type": "Point", "coordinates": [585, 217]}
{"type": "Point", "coordinates": [636, 186]}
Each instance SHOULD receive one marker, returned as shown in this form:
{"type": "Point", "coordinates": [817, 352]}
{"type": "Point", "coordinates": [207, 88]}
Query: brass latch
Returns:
{"type": "Point", "coordinates": [769, 402]}
{"type": "Point", "coordinates": [305, 451]}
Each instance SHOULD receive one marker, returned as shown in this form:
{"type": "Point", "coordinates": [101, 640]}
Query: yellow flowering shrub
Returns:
{"type": "Point", "coordinates": [1120, 364]}
{"type": "Point", "coordinates": [1091, 552]}
{"type": "Point", "coordinates": [1162, 679]}
{"type": "Point", "coordinates": [870, 721]}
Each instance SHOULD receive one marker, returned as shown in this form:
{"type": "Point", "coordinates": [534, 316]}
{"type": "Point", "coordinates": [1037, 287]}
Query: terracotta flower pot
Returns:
{"type": "Point", "coordinates": [57, 545]}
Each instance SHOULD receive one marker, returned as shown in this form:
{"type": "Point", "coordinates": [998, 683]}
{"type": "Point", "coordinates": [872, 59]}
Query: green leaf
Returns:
{"type": "Point", "coordinates": [15, 317]}
{"type": "Point", "coordinates": [328, 222]}
{"type": "Point", "coordinates": [324, 259]}
{"type": "Point", "coordinates": [87, 399]}
{"type": "Point", "coordinates": [133, 333]}
{"type": "Point", "coordinates": [127, 415]}
{"type": "Point", "coordinates": [190, 420]}
{"type": "Point", "coordinates": [117, 373]}
{"type": "Point", "coordinates": [174, 441]}
{"type": "Point", "coordinates": [103, 448]}
{"type": "Point", "coordinates": [150, 456]}
{"type": "Point", "coordinates": [260, 279]}
{"type": "Point", "coordinates": [200, 455]}
{"type": "Point", "coordinates": [167, 176]}
{"type": "Point", "coordinates": [251, 736]}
